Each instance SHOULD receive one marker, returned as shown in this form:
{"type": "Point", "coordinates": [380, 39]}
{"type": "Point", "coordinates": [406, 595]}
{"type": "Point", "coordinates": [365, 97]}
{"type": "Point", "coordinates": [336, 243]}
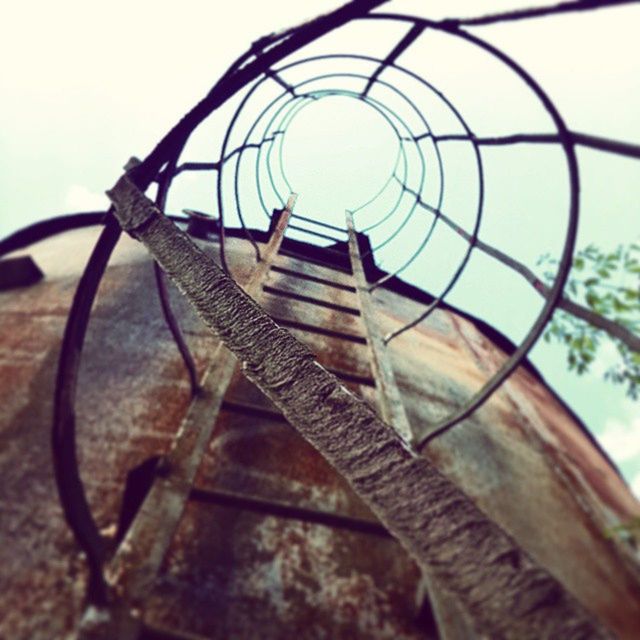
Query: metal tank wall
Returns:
{"type": "Point", "coordinates": [230, 572]}
{"type": "Point", "coordinates": [524, 458]}
{"type": "Point", "coordinates": [242, 573]}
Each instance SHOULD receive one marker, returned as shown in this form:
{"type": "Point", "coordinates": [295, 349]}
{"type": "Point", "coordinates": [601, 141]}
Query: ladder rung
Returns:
{"type": "Point", "coordinates": [284, 510]}
{"type": "Point", "coordinates": [321, 263]}
{"type": "Point", "coordinates": [305, 276]}
{"type": "Point", "coordinates": [253, 410]}
{"type": "Point", "coordinates": [292, 324]}
{"type": "Point", "coordinates": [352, 377]}
{"type": "Point", "coordinates": [318, 234]}
{"type": "Point", "coordinates": [326, 225]}
{"type": "Point", "coordinates": [302, 298]}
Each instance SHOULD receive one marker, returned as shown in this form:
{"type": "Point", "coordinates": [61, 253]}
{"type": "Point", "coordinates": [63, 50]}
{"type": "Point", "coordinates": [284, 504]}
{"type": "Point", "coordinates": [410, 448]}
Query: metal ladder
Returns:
{"type": "Point", "coordinates": [160, 489]}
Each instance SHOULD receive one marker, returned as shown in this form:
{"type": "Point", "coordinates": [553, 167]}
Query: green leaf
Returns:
{"type": "Point", "coordinates": [608, 289]}
{"type": "Point", "coordinates": [592, 299]}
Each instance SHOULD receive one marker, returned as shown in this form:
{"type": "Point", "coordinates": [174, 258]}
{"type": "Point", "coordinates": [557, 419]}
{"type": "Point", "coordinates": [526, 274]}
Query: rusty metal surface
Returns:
{"type": "Point", "coordinates": [132, 395]}
{"type": "Point", "coordinates": [132, 571]}
{"type": "Point", "coordinates": [519, 458]}
{"type": "Point", "coordinates": [391, 408]}
{"type": "Point", "coordinates": [237, 572]}
{"type": "Point", "coordinates": [242, 575]}
{"type": "Point", "coordinates": [451, 621]}
{"type": "Point", "coordinates": [502, 590]}
{"type": "Point", "coordinates": [130, 406]}
{"type": "Point", "coordinates": [42, 571]}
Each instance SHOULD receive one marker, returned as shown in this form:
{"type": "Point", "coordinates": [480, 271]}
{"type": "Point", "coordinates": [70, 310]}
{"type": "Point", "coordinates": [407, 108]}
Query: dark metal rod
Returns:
{"type": "Point", "coordinates": [319, 234]}
{"type": "Point", "coordinates": [306, 276]}
{"type": "Point", "coordinates": [606, 144]}
{"type": "Point", "coordinates": [289, 511]}
{"type": "Point", "coordinates": [310, 328]}
{"type": "Point", "coordinates": [311, 300]}
{"type": "Point", "coordinates": [196, 166]}
{"type": "Point", "coordinates": [174, 327]}
{"type": "Point", "coordinates": [413, 33]}
{"type": "Point", "coordinates": [352, 377]}
{"type": "Point", "coordinates": [614, 329]}
{"type": "Point", "coordinates": [164, 184]}
{"type": "Point", "coordinates": [253, 410]}
{"type": "Point", "coordinates": [583, 139]}
{"type": "Point", "coordinates": [320, 263]}
{"type": "Point", "coordinates": [286, 86]}
{"type": "Point", "coordinates": [319, 223]}
{"type": "Point", "coordinates": [555, 293]}
{"type": "Point", "coordinates": [534, 12]}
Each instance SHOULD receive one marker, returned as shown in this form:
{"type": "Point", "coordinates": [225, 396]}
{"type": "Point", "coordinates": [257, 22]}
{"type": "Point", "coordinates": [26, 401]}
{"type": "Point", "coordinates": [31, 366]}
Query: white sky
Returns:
{"type": "Point", "coordinates": [85, 85]}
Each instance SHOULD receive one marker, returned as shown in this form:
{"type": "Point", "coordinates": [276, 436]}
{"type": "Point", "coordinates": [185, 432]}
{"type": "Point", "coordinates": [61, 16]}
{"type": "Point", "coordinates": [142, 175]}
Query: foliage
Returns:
{"type": "Point", "coordinates": [608, 284]}
{"type": "Point", "coordinates": [628, 531]}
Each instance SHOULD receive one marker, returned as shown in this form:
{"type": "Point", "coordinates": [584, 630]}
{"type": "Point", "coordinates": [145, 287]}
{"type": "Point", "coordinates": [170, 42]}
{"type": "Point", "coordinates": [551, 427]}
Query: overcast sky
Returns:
{"type": "Point", "coordinates": [85, 85]}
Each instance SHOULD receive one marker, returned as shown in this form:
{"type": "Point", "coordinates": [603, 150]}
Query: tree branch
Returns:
{"type": "Point", "coordinates": [614, 329]}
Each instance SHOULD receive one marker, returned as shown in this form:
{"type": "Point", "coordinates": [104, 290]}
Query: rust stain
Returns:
{"type": "Point", "coordinates": [226, 570]}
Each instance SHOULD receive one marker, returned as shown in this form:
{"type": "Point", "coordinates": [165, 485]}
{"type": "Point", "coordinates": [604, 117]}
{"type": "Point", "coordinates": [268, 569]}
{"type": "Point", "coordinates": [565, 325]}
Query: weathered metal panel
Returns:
{"type": "Point", "coordinates": [132, 395]}
{"type": "Point", "coordinates": [522, 457]}
{"type": "Point", "coordinates": [241, 575]}
{"type": "Point", "coordinates": [504, 592]}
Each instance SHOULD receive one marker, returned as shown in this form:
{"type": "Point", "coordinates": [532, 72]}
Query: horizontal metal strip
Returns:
{"type": "Point", "coordinates": [304, 276]}
{"type": "Point", "coordinates": [253, 410]}
{"type": "Point", "coordinates": [302, 298]}
{"type": "Point", "coordinates": [302, 326]}
{"type": "Point", "coordinates": [321, 263]}
{"type": "Point", "coordinates": [352, 377]}
{"type": "Point", "coordinates": [284, 510]}
{"type": "Point", "coordinates": [318, 234]}
{"type": "Point", "coordinates": [320, 223]}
